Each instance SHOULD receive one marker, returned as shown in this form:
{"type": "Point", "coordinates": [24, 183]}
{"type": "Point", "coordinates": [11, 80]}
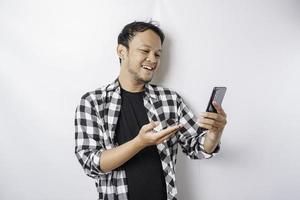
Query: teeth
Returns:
{"type": "Point", "coordinates": [147, 67]}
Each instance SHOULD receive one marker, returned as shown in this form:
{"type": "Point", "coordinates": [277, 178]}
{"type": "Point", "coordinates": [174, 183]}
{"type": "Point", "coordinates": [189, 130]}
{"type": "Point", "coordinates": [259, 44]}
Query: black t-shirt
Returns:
{"type": "Point", "coordinates": [145, 176]}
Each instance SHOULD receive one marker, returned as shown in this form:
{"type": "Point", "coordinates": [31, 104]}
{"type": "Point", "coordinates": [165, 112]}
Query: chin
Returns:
{"type": "Point", "coordinates": [145, 80]}
{"type": "Point", "coordinates": [148, 80]}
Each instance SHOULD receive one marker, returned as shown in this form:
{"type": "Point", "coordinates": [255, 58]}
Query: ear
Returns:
{"type": "Point", "coordinates": [121, 51]}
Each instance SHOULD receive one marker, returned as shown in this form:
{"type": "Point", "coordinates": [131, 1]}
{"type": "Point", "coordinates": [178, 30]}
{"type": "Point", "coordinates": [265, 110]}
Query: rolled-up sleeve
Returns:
{"type": "Point", "coordinates": [191, 136]}
{"type": "Point", "coordinates": [88, 146]}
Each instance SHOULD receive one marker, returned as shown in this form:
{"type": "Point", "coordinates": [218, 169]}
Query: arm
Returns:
{"type": "Point", "coordinates": [192, 138]}
{"type": "Point", "coordinates": [114, 158]}
{"type": "Point", "coordinates": [88, 145]}
{"type": "Point", "coordinates": [210, 144]}
{"type": "Point", "coordinates": [91, 152]}
{"type": "Point", "coordinates": [214, 123]}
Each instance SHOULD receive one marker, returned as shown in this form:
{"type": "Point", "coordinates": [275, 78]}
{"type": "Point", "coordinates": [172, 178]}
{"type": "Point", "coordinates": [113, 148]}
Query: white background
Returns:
{"type": "Point", "coordinates": [52, 52]}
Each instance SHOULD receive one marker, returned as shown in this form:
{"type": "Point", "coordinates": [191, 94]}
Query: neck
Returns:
{"type": "Point", "coordinates": [130, 85]}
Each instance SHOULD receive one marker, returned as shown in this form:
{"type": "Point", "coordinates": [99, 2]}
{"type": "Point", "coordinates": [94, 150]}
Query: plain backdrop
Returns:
{"type": "Point", "coordinates": [52, 52]}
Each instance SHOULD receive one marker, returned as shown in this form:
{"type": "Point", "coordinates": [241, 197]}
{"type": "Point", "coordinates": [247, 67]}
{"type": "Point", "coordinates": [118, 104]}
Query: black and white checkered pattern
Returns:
{"type": "Point", "coordinates": [95, 125]}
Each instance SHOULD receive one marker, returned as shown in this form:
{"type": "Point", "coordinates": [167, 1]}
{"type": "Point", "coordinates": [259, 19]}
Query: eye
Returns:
{"type": "Point", "coordinates": [157, 55]}
{"type": "Point", "coordinates": [144, 50]}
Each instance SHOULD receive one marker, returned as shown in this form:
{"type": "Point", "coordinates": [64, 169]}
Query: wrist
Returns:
{"type": "Point", "coordinates": [213, 137]}
{"type": "Point", "coordinates": [138, 143]}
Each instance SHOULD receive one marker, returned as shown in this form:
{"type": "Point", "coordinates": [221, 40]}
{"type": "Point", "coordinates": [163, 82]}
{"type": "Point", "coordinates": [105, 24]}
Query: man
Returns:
{"type": "Point", "coordinates": [127, 133]}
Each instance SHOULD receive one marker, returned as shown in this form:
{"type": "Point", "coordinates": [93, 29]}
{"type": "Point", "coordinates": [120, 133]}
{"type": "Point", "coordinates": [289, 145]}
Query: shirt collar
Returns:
{"type": "Point", "coordinates": [149, 89]}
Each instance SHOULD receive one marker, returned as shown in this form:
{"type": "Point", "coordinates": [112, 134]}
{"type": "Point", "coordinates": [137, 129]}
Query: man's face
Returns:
{"type": "Point", "coordinates": [142, 58]}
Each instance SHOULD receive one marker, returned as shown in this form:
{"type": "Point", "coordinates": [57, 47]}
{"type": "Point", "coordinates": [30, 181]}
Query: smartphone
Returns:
{"type": "Point", "coordinates": [217, 95]}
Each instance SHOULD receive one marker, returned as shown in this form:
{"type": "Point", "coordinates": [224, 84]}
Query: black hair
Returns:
{"type": "Point", "coordinates": [131, 29]}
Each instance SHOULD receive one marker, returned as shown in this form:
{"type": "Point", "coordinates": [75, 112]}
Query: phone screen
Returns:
{"type": "Point", "coordinates": [217, 95]}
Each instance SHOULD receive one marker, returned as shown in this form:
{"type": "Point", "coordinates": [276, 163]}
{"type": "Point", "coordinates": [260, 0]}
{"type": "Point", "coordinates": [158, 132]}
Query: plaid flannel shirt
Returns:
{"type": "Point", "coordinates": [95, 124]}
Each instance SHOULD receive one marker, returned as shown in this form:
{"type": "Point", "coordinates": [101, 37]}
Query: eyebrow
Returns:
{"type": "Point", "coordinates": [145, 45]}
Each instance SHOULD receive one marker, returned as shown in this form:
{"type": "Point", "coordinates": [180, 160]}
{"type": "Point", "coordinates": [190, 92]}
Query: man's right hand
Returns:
{"type": "Point", "coordinates": [111, 159]}
{"type": "Point", "coordinates": [148, 137]}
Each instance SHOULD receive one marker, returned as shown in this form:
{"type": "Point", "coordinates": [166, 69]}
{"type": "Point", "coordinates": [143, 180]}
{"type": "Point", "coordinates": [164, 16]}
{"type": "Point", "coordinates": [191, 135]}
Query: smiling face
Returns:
{"type": "Point", "coordinates": [142, 58]}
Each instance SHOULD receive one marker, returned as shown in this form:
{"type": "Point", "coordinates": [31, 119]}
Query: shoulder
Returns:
{"type": "Point", "coordinates": [97, 95]}
{"type": "Point", "coordinates": [94, 94]}
{"type": "Point", "coordinates": [165, 92]}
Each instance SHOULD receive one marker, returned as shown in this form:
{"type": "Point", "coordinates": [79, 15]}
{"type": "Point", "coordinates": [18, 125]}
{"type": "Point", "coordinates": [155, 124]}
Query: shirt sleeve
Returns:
{"type": "Point", "coordinates": [88, 146]}
{"type": "Point", "coordinates": [191, 135]}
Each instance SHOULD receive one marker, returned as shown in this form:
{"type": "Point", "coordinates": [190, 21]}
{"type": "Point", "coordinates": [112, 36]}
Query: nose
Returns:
{"type": "Point", "coordinates": [151, 57]}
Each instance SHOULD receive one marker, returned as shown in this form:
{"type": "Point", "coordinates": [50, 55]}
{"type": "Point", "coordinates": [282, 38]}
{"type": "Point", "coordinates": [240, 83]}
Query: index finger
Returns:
{"type": "Point", "coordinates": [168, 130]}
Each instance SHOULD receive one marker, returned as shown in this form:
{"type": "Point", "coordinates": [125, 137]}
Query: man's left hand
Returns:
{"type": "Point", "coordinates": [213, 122]}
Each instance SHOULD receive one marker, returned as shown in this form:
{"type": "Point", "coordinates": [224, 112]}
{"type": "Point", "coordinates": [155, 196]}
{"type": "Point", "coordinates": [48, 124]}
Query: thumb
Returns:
{"type": "Point", "coordinates": [150, 126]}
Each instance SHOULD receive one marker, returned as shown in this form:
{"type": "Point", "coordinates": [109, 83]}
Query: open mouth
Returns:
{"type": "Point", "coordinates": [147, 67]}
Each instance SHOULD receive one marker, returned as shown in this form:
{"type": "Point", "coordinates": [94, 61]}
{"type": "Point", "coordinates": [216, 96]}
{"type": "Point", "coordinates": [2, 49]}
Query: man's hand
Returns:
{"type": "Point", "coordinates": [215, 123]}
{"type": "Point", "coordinates": [147, 137]}
{"type": "Point", "coordinates": [113, 158]}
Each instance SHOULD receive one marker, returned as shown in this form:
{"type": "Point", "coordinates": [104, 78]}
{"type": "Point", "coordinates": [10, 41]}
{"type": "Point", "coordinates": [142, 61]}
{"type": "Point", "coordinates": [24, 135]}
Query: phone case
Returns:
{"type": "Point", "coordinates": [217, 95]}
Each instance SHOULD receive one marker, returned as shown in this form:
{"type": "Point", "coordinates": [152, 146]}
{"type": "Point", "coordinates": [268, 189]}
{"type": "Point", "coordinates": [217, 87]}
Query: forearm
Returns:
{"type": "Point", "coordinates": [210, 144]}
{"type": "Point", "coordinates": [114, 158]}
